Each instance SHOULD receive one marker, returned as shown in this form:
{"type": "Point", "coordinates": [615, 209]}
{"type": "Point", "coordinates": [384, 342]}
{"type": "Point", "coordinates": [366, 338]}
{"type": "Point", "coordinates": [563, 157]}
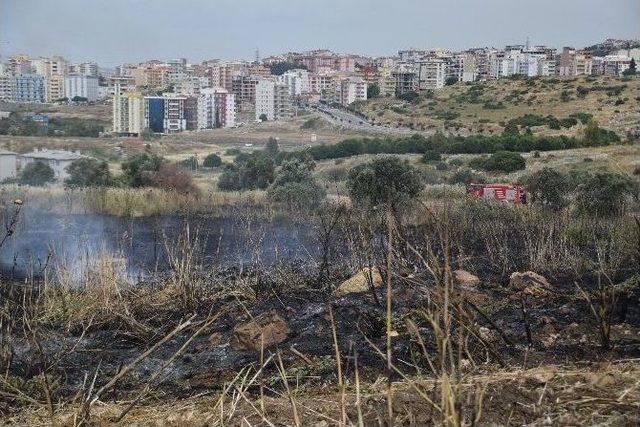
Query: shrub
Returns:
{"type": "Point", "coordinates": [139, 170]}
{"type": "Point", "coordinates": [431, 156]}
{"type": "Point", "coordinates": [604, 194]}
{"type": "Point", "coordinates": [295, 186]}
{"type": "Point", "coordinates": [465, 176]}
{"type": "Point", "coordinates": [385, 181]}
{"type": "Point", "coordinates": [88, 173]}
{"type": "Point", "coordinates": [36, 174]}
{"type": "Point", "coordinates": [212, 161]}
{"type": "Point", "coordinates": [503, 161]}
{"type": "Point", "coordinates": [230, 178]}
{"type": "Point", "coordinates": [173, 177]}
{"type": "Point", "coordinates": [410, 96]}
{"type": "Point", "coordinates": [548, 187]}
{"type": "Point", "coordinates": [190, 163]}
{"type": "Point", "coordinates": [596, 136]}
{"type": "Point", "coordinates": [250, 172]}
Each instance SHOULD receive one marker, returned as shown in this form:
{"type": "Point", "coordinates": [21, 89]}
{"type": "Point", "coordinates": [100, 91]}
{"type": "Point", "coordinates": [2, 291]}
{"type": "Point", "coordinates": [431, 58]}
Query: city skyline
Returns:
{"type": "Point", "coordinates": [115, 32]}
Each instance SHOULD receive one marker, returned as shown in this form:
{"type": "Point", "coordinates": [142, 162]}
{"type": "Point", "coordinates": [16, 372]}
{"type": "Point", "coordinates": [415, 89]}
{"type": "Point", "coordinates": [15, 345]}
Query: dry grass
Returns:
{"type": "Point", "coordinates": [606, 394]}
{"type": "Point", "coordinates": [543, 98]}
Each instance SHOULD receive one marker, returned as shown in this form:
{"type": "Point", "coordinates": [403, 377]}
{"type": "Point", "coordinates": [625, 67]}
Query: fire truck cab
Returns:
{"type": "Point", "coordinates": [508, 193]}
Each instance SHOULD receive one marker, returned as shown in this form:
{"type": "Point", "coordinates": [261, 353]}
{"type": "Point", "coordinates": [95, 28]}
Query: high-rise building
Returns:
{"type": "Point", "coordinates": [165, 114]}
{"type": "Point", "coordinates": [216, 108]}
{"type": "Point", "coordinates": [128, 113]}
{"type": "Point", "coordinates": [6, 92]}
{"type": "Point", "coordinates": [28, 88]}
{"type": "Point", "coordinates": [82, 87]}
{"type": "Point", "coordinates": [265, 100]}
{"type": "Point", "coordinates": [350, 90]}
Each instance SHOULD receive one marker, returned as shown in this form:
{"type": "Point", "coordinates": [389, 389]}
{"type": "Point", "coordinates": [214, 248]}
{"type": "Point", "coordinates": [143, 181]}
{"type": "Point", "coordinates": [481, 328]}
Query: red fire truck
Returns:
{"type": "Point", "coordinates": [508, 193]}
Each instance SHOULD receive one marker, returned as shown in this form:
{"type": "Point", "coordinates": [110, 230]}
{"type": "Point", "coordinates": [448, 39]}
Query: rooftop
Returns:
{"type": "Point", "coordinates": [54, 155]}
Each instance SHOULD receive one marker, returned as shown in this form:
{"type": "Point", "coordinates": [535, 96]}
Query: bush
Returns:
{"type": "Point", "coordinates": [36, 174]}
{"type": "Point", "coordinates": [465, 176]}
{"type": "Point", "coordinates": [172, 177]}
{"type": "Point", "coordinates": [255, 171]}
{"type": "Point", "coordinates": [503, 161]}
{"type": "Point", "coordinates": [295, 186]}
{"type": "Point", "coordinates": [88, 173]}
{"type": "Point", "coordinates": [190, 163]}
{"type": "Point", "coordinates": [140, 169]}
{"type": "Point", "coordinates": [431, 156]}
{"type": "Point", "coordinates": [604, 194]}
{"type": "Point", "coordinates": [385, 181]}
{"type": "Point", "coordinates": [410, 97]}
{"type": "Point", "coordinates": [212, 161]}
{"type": "Point", "coordinates": [596, 136]}
{"type": "Point", "coordinates": [548, 187]}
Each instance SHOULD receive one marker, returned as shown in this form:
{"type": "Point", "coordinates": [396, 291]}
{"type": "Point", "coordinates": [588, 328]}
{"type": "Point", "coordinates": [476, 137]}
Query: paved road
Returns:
{"type": "Point", "coordinates": [349, 120]}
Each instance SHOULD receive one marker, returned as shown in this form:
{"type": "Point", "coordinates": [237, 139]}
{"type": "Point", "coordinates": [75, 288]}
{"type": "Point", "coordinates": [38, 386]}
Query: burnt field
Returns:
{"type": "Point", "coordinates": [471, 313]}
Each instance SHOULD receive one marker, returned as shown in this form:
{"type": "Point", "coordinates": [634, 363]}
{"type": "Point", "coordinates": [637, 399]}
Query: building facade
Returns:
{"type": "Point", "coordinates": [81, 86]}
{"type": "Point", "coordinates": [28, 88]}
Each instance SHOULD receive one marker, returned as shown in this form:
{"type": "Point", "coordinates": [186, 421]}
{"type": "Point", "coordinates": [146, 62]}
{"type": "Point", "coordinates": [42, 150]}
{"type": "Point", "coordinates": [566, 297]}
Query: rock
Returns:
{"type": "Point", "coordinates": [360, 282]}
{"type": "Point", "coordinates": [247, 336]}
{"type": "Point", "coordinates": [215, 339]}
{"type": "Point", "coordinates": [464, 278]}
{"type": "Point", "coordinates": [530, 283]}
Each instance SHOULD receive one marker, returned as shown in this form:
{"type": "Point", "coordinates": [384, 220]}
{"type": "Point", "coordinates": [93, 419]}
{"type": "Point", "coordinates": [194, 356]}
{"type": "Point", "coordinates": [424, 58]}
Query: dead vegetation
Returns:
{"type": "Point", "coordinates": [422, 347]}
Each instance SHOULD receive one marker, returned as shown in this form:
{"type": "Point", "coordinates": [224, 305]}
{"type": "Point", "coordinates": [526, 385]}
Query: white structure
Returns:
{"type": "Point", "coordinates": [216, 108]}
{"type": "Point", "coordinates": [350, 90]}
{"type": "Point", "coordinates": [81, 86]}
{"type": "Point", "coordinates": [265, 99]}
{"type": "Point", "coordinates": [8, 166]}
{"type": "Point", "coordinates": [297, 81]}
{"type": "Point", "coordinates": [432, 74]}
{"type": "Point", "coordinates": [6, 93]}
{"type": "Point", "coordinates": [57, 160]}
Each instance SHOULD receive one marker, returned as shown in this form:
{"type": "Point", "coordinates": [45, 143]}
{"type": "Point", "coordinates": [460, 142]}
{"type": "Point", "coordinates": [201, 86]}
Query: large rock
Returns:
{"type": "Point", "coordinates": [530, 283]}
{"type": "Point", "coordinates": [464, 278]}
{"type": "Point", "coordinates": [247, 336]}
{"type": "Point", "coordinates": [360, 282]}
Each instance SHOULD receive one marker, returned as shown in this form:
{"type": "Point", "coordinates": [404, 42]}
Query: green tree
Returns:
{"type": "Point", "coordinates": [373, 91]}
{"type": "Point", "coordinates": [88, 173]}
{"type": "Point", "coordinates": [257, 173]}
{"type": "Point", "coordinates": [212, 161]}
{"type": "Point", "coordinates": [451, 80]}
{"type": "Point", "coordinates": [279, 68]}
{"type": "Point", "coordinates": [295, 185]}
{"type": "Point", "coordinates": [230, 178]}
{"type": "Point", "coordinates": [36, 174]}
{"type": "Point", "coordinates": [604, 194]}
{"type": "Point", "coordinates": [502, 161]}
{"type": "Point", "coordinates": [190, 163]}
{"type": "Point", "coordinates": [410, 96]}
{"type": "Point", "coordinates": [263, 117]}
{"type": "Point", "coordinates": [139, 170]}
{"type": "Point", "coordinates": [631, 71]}
{"type": "Point", "coordinates": [272, 147]}
{"type": "Point", "coordinates": [387, 181]}
{"type": "Point", "coordinates": [548, 187]}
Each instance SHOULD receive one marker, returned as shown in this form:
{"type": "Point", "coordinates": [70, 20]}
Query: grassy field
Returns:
{"type": "Point", "coordinates": [484, 107]}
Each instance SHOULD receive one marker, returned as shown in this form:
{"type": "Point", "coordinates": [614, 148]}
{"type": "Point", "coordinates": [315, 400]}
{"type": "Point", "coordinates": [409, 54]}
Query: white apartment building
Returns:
{"type": "Point", "coordinates": [350, 90]}
{"type": "Point", "coordinates": [81, 86]}
{"type": "Point", "coordinates": [8, 166]}
{"type": "Point", "coordinates": [432, 73]}
{"type": "Point", "coordinates": [216, 108]}
{"type": "Point", "coordinates": [615, 65]}
{"type": "Point", "coordinates": [265, 99]}
{"type": "Point", "coordinates": [297, 81]}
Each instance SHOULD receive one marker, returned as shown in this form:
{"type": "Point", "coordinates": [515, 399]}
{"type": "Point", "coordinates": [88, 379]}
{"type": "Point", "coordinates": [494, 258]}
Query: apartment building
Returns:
{"type": "Point", "coordinates": [81, 86]}
{"type": "Point", "coordinates": [244, 88]}
{"type": "Point", "coordinates": [128, 113]}
{"type": "Point", "coordinates": [297, 80]}
{"type": "Point", "coordinates": [432, 73]}
{"type": "Point", "coordinates": [273, 101]}
{"type": "Point", "coordinates": [350, 90]}
{"type": "Point", "coordinates": [613, 65]}
{"type": "Point", "coordinates": [28, 88]}
{"type": "Point", "coordinates": [165, 114]}
{"type": "Point", "coordinates": [321, 82]}
{"type": "Point", "coordinates": [6, 92]}
{"type": "Point", "coordinates": [19, 64]}
{"type": "Point", "coordinates": [574, 63]}
{"type": "Point", "coordinates": [216, 108]}
{"type": "Point", "coordinates": [405, 76]}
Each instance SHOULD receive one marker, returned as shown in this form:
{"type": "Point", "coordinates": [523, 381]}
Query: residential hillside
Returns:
{"type": "Point", "coordinates": [555, 105]}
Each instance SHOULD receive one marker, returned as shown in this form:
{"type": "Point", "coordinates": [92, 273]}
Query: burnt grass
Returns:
{"type": "Point", "coordinates": [68, 335]}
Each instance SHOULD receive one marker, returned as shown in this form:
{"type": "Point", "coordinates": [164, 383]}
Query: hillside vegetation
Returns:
{"type": "Point", "coordinates": [550, 106]}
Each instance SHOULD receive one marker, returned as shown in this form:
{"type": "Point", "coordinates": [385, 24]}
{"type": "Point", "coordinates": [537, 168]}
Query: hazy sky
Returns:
{"type": "Point", "coordinates": [116, 31]}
